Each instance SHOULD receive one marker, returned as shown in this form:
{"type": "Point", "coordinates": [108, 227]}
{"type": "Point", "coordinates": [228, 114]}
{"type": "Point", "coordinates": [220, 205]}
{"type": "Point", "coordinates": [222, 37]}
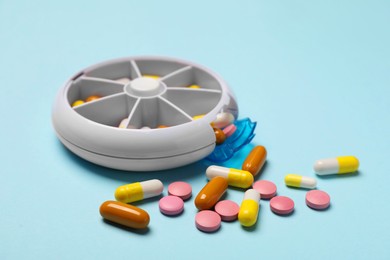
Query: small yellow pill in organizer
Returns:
{"type": "Point", "coordinates": [77, 103]}
{"type": "Point", "coordinates": [151, 76]}
{"type": "Point", "coordinates": [194, 86]}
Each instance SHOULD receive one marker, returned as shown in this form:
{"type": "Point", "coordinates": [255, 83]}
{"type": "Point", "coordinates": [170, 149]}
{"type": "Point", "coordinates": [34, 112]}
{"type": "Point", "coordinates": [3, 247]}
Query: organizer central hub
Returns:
{"type": "Point", "coordinates": [144, 87]}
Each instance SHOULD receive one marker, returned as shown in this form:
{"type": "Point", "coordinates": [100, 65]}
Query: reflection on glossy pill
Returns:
{"type": "Point", "coordinates": [139, 190]}
{"type": "Point", "coordinates": [124, 214]}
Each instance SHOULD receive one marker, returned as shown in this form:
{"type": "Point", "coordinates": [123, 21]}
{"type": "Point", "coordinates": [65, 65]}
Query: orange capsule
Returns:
{"type": "Point", "coordinates": [211, 193]}
{"type": "Point", "coordinates": [162, 126]}
{"type": "Point", "coordinates": [220, 136]}
{"type": "Point", "coordinates": [92, 98]}
{"type": "Point", "coordinates": [255, 160]}
{"type": "Point", "coordinates": [124, 214]}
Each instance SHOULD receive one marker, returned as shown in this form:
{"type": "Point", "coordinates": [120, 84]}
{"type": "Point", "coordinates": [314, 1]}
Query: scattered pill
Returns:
{"type": "Point", "coordinates": [77, 103]}
{"type": "Point", "coordinates": [124, 214]}
{"type": "Point", "coordinates": [207, 221]}
{"type": "Point", "coordinates": [227, 209]}
{"type": "Point", "coordinates": [266, 189]}
{"type": "Point", "coordinates": [219, 136]}
{"type": "Point", "coordinates": [317, 199]}
{"type": "Point", "coordinates": [123, 80]}
{"type": "Point", "coordinates": [223, 119]}
{"type": "Point", "coordinates": [151, 76]}
{"type": "Point", "coordinates": [194, 86]}
{"type": "Point", "coordinates": [295, 180]}
{"type": "Point", "coordinates": [211, 193]}
{"type": "Point", "coordinates": [229, 130]}
{"type": "Point", "coordinates": [338, 165]}
{"type": "Point", "coordinates": [282, 205]}
{"type": "Point", "coordinates": [255, 160]}
{"type": "Point", "coordinates": [171, 205]}
{"type": "Point", "coordinates": [139, 190]}
{"type": "Point", "coordinates": [180, 189]}
{"type": "Point", "coordinates": [92, 98]}
{"type": "Point", "coordinates": [235, 177]}
{"type": "Point", "coordinates": [249, 209]}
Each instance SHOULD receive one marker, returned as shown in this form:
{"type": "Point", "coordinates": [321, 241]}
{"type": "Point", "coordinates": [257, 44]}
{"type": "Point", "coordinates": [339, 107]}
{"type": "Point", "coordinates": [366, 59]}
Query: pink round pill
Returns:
{"type": "Point", "coordinates": [282, 205]}
{"type": "Point", "coordinates": [180, 189]}
{"type": "Point", "coordinates": [266, 189]}
{"type": "Point", "coordinates": [229, 130]}
{"type": "Point", "coordinates": [227, 209]}
{"type": "Point", "coordinates": [171, 205]}
{"type": "Point", "coordinates": [207, 221]}
{"type": "Point", "coordinates": [317, 199]}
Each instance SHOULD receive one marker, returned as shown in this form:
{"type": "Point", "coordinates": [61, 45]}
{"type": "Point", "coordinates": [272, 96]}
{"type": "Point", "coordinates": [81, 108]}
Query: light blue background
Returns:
{"type": "Point", "coordinates": [315, 76]}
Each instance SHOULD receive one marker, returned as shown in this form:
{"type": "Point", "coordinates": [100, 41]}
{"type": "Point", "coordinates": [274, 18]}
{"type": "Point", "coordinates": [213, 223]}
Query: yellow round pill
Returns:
{"type": "Point", "coordinates": [194, 86]}
{"type": "Point", "coordinates": [151, 76]}
{"type": "Point", "coordinates": [77, 103]}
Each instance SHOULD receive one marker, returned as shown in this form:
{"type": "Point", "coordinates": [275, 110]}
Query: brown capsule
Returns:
{"type": "Point", "coordinates": [124, 214]}
{"type": "Point", "coordinates": [255, 160]}
{"type": "Point", "coordinates": [220, 136]}
{"type": "Point", "coordinates": [211, 193]}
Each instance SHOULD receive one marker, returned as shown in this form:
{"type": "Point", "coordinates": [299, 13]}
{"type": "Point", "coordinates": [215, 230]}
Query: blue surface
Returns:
{"type": "Point", "coordinates": [315, 76]}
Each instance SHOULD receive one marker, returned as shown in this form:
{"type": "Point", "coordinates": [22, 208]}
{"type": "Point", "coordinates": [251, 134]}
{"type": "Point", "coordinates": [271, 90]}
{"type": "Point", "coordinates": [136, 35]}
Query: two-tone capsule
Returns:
{"type": "Point", "coordinates": [255, 160]}
{"type": "Point", "coordinates": [124, 214]}
{"type": "Point", "coordinates": [299, 181]}
{"type": "Point", "coordinates": [338, 165]}
{"type": "Point", "coordinates": [211, 193]}
{"type": "Point", "coordinates": [249, 209]}
{"type": "Point", "coordinates": [235, 177]}
{"type": "Point", "coordinates": [222, 120]}
{"type": "Point", "coordinates": [138, 191]}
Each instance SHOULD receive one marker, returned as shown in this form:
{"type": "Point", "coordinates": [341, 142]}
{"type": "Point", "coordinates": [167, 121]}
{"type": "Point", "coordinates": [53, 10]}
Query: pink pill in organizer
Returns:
{"type": "Point", "coordinates": [317, 199]}
{"type": "Point", "coordinates": [171, 205]}
{"type": "Point", "coordinates": [227, 209]}
{"type": "Point", "coordinates": [229, 130]}
{"type": "Point", "coordinates": [180, 189]}
{"type": "Point", "coordinates": [266, 189]}
{"type": "Point", "coordinates": [207, 221]}
{"type": "Point", "coordinates": [282, 205]}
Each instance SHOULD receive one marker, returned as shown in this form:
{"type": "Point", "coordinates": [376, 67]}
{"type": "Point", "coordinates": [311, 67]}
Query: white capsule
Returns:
{"type": "Point", "coordinates": [338, 165]}
{"type": "Point", "coordinates": [235, 177]}
{"type": "Point", "coordinates": [223, 119]}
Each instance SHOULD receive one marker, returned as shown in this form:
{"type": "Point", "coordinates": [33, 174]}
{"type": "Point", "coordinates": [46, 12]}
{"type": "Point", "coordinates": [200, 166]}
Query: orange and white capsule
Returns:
{"type": "Point", "coordinates": [235, 177]}
{"type": "Point", "coordinates": [138, 191]}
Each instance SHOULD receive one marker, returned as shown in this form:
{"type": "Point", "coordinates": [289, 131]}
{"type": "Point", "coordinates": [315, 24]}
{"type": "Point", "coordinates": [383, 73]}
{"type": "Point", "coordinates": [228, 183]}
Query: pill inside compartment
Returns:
{"type": "Point", "coordinates": [144, 101]}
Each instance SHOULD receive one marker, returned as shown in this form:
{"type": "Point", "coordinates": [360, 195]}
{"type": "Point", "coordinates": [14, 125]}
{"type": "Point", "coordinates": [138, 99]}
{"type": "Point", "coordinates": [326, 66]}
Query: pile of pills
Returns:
{"type": "Point", "coordinates": [213, 210]}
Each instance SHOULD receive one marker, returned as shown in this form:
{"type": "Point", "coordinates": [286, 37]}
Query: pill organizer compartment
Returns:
{"type": "Point", "coordinates": [148, 92]}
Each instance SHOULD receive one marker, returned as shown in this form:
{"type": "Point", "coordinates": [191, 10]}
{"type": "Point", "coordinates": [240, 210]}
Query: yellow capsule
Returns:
{"type": "Point", "coordinates": [138, 191]}
{"type": "Point", "coordinates": [295, 180]}
{"type": "Point", "coordinates": [151, 76]}
{"type": "Point", "coordinates": [197, 117]}
{"type": "Point", "coordinates": [338, 165]}
{"type": "Point", "coordinates": [194, 86]}
{"type": "Point", "coordinates": [77, 103]}
{"type": "Point", "coordinates": [235, 177]}
{"type": "Point", "coordinates": [249, 209]}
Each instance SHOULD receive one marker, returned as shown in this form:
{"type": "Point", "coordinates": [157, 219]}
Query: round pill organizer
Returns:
{"type": "Point", "coordinates": [148, 92]}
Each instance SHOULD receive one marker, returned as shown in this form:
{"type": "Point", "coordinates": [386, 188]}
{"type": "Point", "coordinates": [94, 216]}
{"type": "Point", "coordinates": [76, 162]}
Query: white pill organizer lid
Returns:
{"type": "Point", "coordinates": [127, 91]}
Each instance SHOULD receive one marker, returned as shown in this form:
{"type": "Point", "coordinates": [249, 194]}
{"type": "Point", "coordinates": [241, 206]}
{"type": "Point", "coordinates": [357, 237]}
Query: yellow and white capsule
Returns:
{"type": "Point", "coordinates": [299, 181]}
{"type": "Point", "coordinates": [235, 177]}
{"type": "Point", "coordinates": [138, 191]}
{"type": "Point", "coordinates": [338, 165]}
{"type": "Point", "coordinates": [249, 209]}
